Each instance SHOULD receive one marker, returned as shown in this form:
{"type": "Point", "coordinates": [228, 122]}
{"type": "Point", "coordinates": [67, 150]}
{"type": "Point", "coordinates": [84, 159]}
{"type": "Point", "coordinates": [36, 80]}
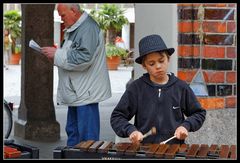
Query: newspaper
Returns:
{"type": "Point", "coordinates": [34, 46]}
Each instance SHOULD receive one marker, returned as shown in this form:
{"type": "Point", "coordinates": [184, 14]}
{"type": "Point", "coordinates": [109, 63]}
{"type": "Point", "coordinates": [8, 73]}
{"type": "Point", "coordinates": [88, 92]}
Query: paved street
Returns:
{"type": "Point", "coordinates": [12, 83]}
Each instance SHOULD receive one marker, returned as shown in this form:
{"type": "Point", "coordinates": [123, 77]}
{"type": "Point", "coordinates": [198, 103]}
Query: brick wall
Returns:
{"type": "Point", "coordinates": [207, 42]}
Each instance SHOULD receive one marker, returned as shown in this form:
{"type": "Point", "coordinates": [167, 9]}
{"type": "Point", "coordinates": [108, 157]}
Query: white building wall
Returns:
{"type": "Point", "coordinates": [126, 36]}
{"type": "Point", "coordinates": [156, 19]}
{"type": "Point", "coordinates": [57, 28]}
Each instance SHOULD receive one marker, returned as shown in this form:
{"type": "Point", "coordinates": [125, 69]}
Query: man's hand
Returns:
{"type": "Point", "coordinates": [49, 52]}
{"type": "Point", "coordinates": [136, 137]}
{"type": "Point", "coordinates": [181, 133]}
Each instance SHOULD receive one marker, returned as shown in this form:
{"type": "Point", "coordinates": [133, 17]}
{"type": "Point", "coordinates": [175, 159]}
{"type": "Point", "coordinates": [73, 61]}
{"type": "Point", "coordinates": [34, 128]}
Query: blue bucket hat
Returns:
{"type": "Point", "coordinates": [152, 43]}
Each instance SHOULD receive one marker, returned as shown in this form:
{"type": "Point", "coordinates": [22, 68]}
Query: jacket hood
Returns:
{"type": "Point", "coordinates": [171, 81]}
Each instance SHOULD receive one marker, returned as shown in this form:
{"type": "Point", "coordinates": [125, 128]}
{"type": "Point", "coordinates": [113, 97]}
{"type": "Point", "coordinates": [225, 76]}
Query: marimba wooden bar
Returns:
{"type": "Point", "coordinates": [108, 150]}
{"type": "Point", "coordinates": [104, 148]}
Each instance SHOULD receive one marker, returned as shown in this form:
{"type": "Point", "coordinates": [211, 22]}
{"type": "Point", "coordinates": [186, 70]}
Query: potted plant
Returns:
{"type": "Point", "coordinates": [111, 19]}
{"type": "Point", "coordinates": [114, 55]}
{"type": "Point", "coordinates": [16, 56]}
{"type": "Point", "coordinates": [12, 23]}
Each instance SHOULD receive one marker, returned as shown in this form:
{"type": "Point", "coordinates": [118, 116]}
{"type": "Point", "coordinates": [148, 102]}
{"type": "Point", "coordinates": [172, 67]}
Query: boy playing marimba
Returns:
{"type": "Point", "coordinates": [157, 99]}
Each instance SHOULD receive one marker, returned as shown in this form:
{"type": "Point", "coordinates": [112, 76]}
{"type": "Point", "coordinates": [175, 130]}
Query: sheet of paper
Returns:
{"type": "Point", "coordinates": [34, 46]}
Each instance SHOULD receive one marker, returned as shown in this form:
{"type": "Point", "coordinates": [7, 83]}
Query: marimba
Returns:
{"type": "Point", "coordinates": [108, 150]}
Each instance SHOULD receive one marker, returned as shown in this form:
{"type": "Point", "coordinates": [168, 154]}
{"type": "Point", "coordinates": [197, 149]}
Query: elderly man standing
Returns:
{"type": "Point", "coordinates": [83, 75]}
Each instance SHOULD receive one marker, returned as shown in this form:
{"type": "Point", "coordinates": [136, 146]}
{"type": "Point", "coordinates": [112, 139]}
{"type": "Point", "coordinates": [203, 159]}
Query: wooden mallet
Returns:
{"type": "Point", "coordinates": [164, 142]}
{"type": "Point", "coordinates": [153, 131]}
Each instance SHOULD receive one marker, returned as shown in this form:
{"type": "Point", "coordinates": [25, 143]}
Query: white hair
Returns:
{"type": "Point", "coordinates": [70, 5]}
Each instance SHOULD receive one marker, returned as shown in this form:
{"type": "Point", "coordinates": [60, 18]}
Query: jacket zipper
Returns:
{"type": "Point", "coordinates": [159, 92]}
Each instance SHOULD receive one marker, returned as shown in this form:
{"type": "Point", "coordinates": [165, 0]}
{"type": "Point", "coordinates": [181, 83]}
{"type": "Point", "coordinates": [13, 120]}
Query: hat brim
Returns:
{"type": "Point", "coordinates": [140, 58]}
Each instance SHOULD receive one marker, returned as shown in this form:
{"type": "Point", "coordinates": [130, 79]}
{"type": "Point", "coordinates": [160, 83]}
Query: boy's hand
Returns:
{"type": "Point", "coordinates": [136, 137]}
{"type": "Point", "coordinates": [181, 133]}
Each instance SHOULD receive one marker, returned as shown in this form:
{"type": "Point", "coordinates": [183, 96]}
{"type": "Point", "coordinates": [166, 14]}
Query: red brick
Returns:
{"type": "Point", "coordinates": [231, 52]}
{"type": "Point", "coordinates": [184, 4]}
{"type": "Point", "coordinates": [181, 75]}
{"type": "Point", "coordinates": [221, 5]}
{"type": "Point", "coordinates": [232, 5]}
{"type": "Point", "coordinates": [189, 4]}
{"type": "Point", "coordinates": [230, 102]}
{"type": "Point", "coordinates": [188, 51]}
{"type": "Point", "coordinates": [231, 27]}
{"type": "Point", "coordinates": [214, 52]}
{"type": "Point", "coordinates": [231, 77]}
{"type": "Point", "coordinates": [217, 39]}
{"type": "Point", "coordinates": [218, 14]}
{"type": "Point", "coordinates": [211, 103]}
{"type": "Point", "coordinates": [185, 27]}
{"type": "Point", "coordinates": [214, 27]}
{"type": "Point", "coordinates": [215, 5]}
{"type": "Point", "coordinates": [213, 76]}
{"type": "Point", "coordinates": [188, 27]}
{"type": "Point", "coordinates": [186, 75]}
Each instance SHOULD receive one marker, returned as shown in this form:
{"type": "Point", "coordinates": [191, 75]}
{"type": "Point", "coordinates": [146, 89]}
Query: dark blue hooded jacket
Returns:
{"type": "Point", "coordinates": [166, 107]}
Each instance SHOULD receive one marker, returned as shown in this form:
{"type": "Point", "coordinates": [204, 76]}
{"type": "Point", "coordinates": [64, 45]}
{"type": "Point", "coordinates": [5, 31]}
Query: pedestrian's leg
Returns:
{"type": "Point", "coordinates": [71, 127]}
{"type": "Point", "coordinates": [94, 122]}
{"type": "Point", "coordinates": [88, 122]}
{"type": "Point", "coordinates": [9, 53]}
{"type": "Point", "coordinates": [5, 60]}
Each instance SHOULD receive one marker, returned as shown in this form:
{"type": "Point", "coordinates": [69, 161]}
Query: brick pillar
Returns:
{"type": "Point", "coordinates": [218, 58]}
{"type": "Point", "coordinates": [36, 115]}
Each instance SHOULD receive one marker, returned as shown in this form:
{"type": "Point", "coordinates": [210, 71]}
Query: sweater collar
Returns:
{"type": "Point", "coordinates": [172, 79]}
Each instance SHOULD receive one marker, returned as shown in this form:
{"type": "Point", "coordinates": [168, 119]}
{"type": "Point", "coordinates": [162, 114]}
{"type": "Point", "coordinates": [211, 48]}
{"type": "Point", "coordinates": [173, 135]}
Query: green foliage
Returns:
{"type": "Point", "coordinates": [111, 19]}
{"type": "Point", "coordinates": [12, 21]}
{"type": "Point", "coordinates": [110, 16]}
{"type": "Point", "coordinates": [113, 50]}
{"type": "Point", "coordinates": [18, 49]}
